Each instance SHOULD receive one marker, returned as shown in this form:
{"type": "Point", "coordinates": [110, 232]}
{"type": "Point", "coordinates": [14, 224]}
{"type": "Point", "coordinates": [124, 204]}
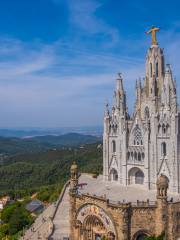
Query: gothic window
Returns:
{"type": "Point", "coordinates": [159, 128]}
{"type": "Point", "coordinates": [163, 149]}
{"type": "Point", "coordinates": [135, 156]}
{"type": "Point", "coordinates": [113, 146]}
{"type": "Point", "coordinates": [137, 136]}
{"type": "Point", "coordinates": [167, 129]}
{"type": "Point", "coordinates": [163, 129]}
{"type": "Point", "coordinates": [150, 69]}
{"type": "Point", "coordinates": [157, 70]}
{"type": "Point", "coordinates": [139, 157]}
{"type": "Point", "coordinates": [143, 156]}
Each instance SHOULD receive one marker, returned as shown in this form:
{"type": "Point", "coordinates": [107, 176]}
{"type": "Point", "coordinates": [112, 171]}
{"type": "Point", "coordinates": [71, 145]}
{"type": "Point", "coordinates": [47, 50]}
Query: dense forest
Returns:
{"type": "Point", "coordinates": [45, 169]}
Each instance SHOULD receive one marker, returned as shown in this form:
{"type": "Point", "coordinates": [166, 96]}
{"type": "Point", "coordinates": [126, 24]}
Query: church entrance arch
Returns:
{"type": "Point", "coordinates": [114, 175]}
{"type": "Point", "coordinates": [135, 176]}
{"type": "Point", "coordinates": [140, 235]}
{"type": "Point", "coordinates": [94, 224]}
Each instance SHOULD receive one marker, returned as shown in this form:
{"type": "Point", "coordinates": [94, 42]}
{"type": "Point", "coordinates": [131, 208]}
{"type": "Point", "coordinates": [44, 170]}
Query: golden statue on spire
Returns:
{"type": "Point", "coordinates": [153, 31]}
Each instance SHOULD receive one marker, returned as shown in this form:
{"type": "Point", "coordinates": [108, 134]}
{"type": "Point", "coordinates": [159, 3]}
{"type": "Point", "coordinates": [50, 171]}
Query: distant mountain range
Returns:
{"type": "Point", "coordinates": [32, 132]}
{"type": "Point", "coordinates": [14, 145]}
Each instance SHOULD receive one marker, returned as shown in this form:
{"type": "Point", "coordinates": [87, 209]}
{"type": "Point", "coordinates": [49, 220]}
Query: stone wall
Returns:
{"type": "Point", "coordinates": [130, 220]}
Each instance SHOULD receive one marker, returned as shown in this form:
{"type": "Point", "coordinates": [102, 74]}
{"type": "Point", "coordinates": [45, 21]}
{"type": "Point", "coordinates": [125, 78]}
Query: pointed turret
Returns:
{"type": "Point", "coordinates": [119, 83]}
{"type": "Point", "coordinates": [168, 94]}
{"type": "Point", "coordinates": [106, 112]}
{"type": "Point", "coordinates": [138, 95]}
{"type": "Point", "coordinates": [120, 96]}
{"type": "Point", "coordinates": [106, 118]}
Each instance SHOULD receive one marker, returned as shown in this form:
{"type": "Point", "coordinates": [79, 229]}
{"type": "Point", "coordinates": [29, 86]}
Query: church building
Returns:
{"type": "Point", "coordinates": [141, 147]}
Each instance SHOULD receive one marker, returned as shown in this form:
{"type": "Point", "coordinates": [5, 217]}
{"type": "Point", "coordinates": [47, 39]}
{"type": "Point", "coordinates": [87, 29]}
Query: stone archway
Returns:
{"type": "Point", "coordinates": [135, 176]}
{"type": "Point", "coordinates": [141, 235]}
{"type": "Point", "coordinates": [94, 224]}
{"type": "Point", "coordinates": [94, 229]}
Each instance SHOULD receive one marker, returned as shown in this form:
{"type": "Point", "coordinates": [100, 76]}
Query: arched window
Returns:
{"type": "Point", "coordinates": [150, 69]}
{"type": "Point", "coordinates": [135, 155]}
{"type": "Point", "coordinates": [163, 149]}
{"type": "Point", "coordinates": [159, 128]}
{"type": "Point", "coordinates": [113, 146]}
{"type": "Point", "coordinates": [163, 129]}
{"type": "Point", "coordinates": [139, 157]}
{"type": "Point", "coordinates": [167, 129]}
{"type": "Point", "coordinates": [114, 175]}
{"type": "Point", "coordinates": [157, 70]}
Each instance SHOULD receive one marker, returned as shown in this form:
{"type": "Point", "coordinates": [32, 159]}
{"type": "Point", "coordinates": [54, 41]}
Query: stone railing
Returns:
{"type": "Point", "coordinates": [117, 203]}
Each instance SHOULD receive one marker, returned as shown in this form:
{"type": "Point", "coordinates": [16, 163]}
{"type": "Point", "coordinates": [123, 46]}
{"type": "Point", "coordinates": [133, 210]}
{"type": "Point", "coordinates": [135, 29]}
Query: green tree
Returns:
{"type": "Point", "coordinates": [19, 219]}
{"type": "Point", "coordinates": [7, 212]}
{"type": "Point", "coordinates": [3, 230]}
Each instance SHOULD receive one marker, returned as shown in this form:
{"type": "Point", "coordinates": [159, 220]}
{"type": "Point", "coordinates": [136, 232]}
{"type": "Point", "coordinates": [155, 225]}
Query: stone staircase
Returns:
{"type": "Point", "coordinates": [53, 223]}
{"type": "Point", "coordinates": [61, 219]}
{"type": "Point", "coordinates": [42, 226]}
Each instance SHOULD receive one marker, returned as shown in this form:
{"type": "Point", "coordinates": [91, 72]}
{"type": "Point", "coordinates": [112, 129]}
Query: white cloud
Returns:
{"type": "Point", "coordinates": [56, 85]}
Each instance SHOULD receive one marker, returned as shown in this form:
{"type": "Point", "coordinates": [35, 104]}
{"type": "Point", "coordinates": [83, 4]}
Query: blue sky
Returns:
{"type": "Point", "coordinates": [59, 58]}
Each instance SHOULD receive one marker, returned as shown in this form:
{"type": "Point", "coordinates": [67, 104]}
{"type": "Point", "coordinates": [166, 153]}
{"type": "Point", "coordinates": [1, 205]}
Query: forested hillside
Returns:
{"type": "Point", "coordinates": [47, 169]}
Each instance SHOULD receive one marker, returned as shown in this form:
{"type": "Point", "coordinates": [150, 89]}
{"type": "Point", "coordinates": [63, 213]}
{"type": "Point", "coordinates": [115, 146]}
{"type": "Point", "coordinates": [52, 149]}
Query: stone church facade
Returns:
{"type": "Point", "coordinates": [139, 148]}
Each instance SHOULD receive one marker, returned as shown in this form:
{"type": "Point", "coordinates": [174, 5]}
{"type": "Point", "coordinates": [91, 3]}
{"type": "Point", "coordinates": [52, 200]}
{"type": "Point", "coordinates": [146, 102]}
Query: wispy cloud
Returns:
{"type": "Point", "coordinates": [66, 82]}
{"type": "Point", "coordinates": [84, 16]}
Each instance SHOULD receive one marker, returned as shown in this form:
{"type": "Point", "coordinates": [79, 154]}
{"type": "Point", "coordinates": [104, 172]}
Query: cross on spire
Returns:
{"type": "Point", "coordinates": [153, 31]}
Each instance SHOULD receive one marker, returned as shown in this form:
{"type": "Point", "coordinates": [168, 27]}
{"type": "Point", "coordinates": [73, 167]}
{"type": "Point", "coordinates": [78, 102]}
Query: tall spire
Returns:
{"type": "Point", "coordinates": [154, 66]}
{"type": "Point", "coordinates": [138, 95]}
{"type": "Point", "coordinates": [119, 83]}
{"type": "Point", "coordinates": [120, 97]}
{"type": "Point", "coordinates": [168, 94]}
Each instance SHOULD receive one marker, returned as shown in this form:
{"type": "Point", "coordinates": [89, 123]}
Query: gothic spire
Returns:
{"type": "Point", "coordinates": [120, 96]}
{"type": "Point", "coordinates": [119, 83]}
{"type": "Point", "coordinates": [168, 94]}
